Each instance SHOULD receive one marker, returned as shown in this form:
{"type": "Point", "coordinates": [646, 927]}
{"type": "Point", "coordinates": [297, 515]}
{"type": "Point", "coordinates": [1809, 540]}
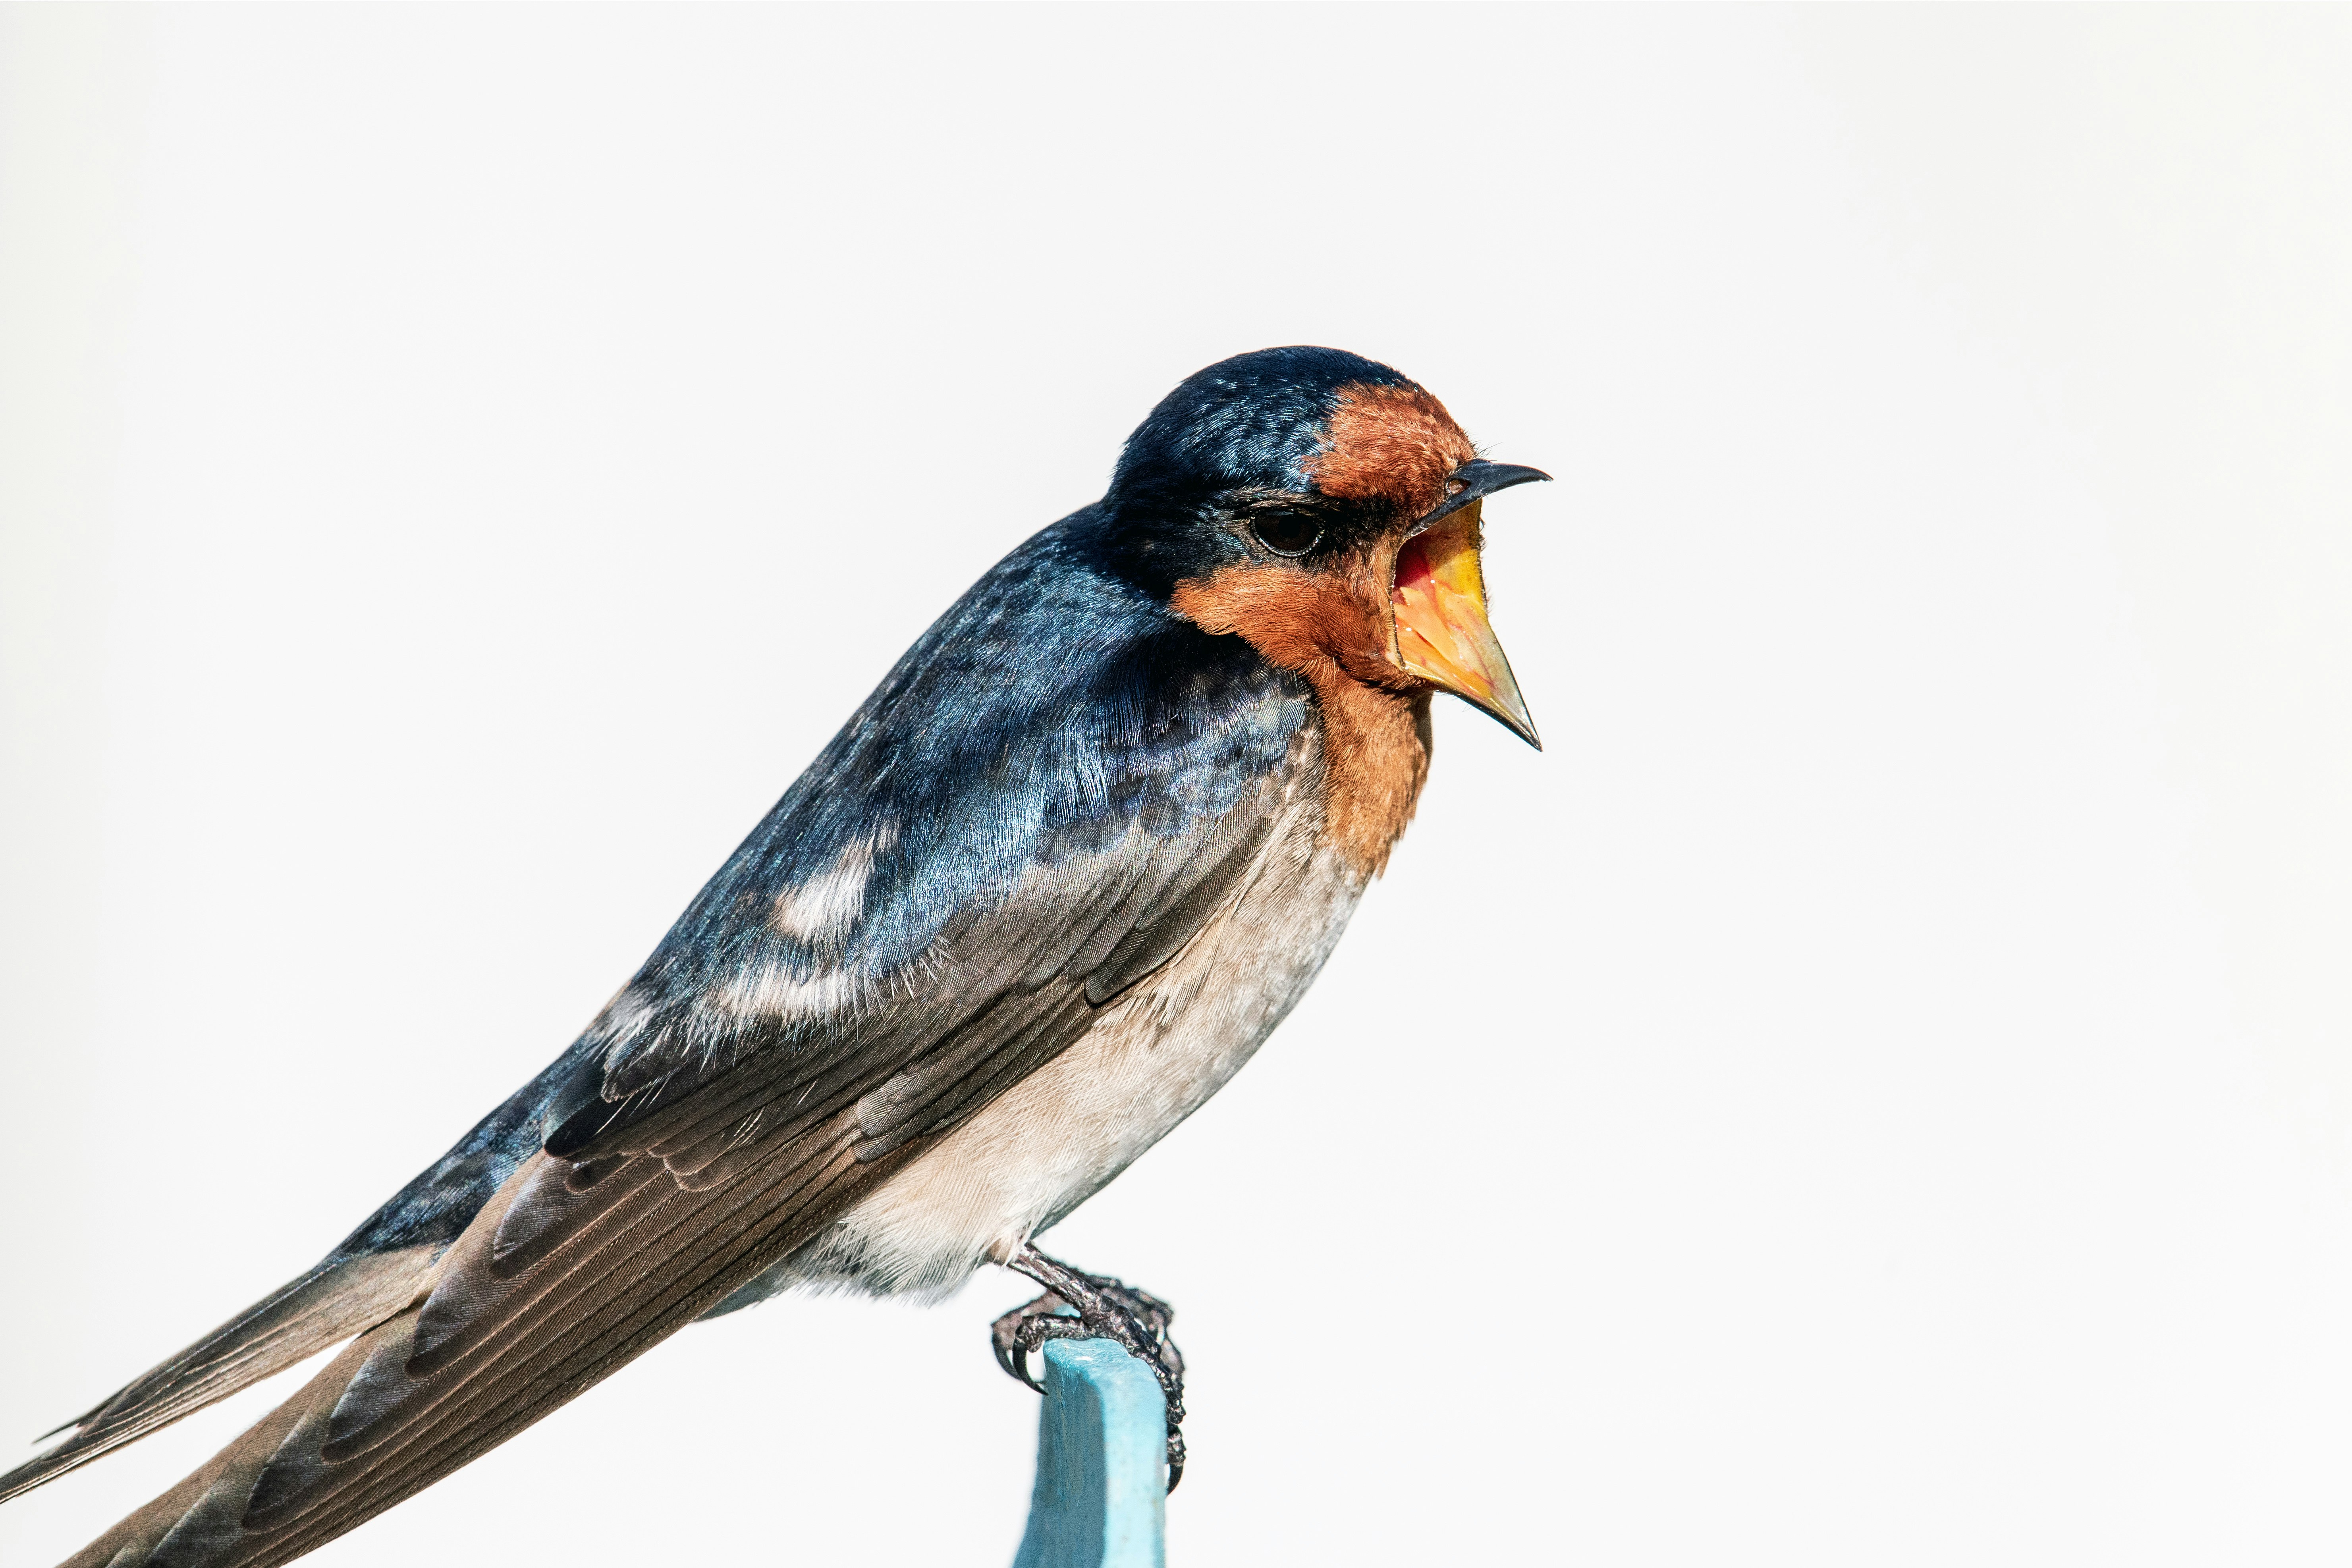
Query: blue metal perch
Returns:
{"type": "Point", "coordinates": [1101, 1500]}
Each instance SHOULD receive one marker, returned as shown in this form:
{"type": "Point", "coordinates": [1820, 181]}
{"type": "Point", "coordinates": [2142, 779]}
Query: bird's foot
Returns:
{"type": "Point", "coordinates": [1078, 1306]}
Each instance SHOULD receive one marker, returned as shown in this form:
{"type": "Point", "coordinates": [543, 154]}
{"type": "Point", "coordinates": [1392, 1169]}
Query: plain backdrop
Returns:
{"type": "Point", "coordinates": [1876, 1088]}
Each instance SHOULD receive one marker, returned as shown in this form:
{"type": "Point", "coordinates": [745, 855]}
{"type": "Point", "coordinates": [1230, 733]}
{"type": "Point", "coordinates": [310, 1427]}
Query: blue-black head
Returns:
{"type": "Point", "coordinates": [1326, 508]}
{"type": "Point", "coordinates": [1253, 421]}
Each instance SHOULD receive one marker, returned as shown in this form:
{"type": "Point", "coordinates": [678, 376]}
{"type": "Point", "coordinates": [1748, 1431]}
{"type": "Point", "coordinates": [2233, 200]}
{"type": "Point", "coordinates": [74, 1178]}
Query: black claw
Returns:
{"type": "Point", "coordinates": [1016, 1363]}
{"type": "Point", "coordinates": [1017, 1333]}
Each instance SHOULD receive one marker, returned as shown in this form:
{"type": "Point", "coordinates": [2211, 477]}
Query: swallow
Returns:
{"type": "Point", "coordinates": [1050, 887]}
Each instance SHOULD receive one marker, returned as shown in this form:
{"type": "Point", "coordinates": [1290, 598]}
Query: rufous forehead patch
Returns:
{"type": "Point", "coordinates": [1396, 442]}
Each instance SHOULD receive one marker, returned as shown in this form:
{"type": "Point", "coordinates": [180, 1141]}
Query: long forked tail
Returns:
{"type": "Point", "coordinates": [572, 1271]}
{"type": "Point", "coordinates": [338, 1299]}
{"type": "Point", "coordinates": [202, 1519]}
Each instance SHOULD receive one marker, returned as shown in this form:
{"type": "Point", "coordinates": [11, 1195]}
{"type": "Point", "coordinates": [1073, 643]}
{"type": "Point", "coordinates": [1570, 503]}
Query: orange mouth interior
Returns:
{"type": "Point", "coordinates": [1439, 601]}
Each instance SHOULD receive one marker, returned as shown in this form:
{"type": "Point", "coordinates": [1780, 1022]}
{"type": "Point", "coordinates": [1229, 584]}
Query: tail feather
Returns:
{"type": "Point", "coordinates": [404, 1405]}
{"type": "Point", "coordinates": [202, 1519]}
{"type": "Point", "coordinates": [339, 1298]}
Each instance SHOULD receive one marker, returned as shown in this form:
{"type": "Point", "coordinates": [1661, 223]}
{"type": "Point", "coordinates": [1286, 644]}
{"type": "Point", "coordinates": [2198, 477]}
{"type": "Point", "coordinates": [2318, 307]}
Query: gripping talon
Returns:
{"type": "Point", "coordinates": [1015, 1360]}
{"type": "Point", "coordinates": [1095, 1306]}
{"type": "Point", "coordinates": [1020, 1369]}
{"type": "Point", "coordinates": [1015, 1334]}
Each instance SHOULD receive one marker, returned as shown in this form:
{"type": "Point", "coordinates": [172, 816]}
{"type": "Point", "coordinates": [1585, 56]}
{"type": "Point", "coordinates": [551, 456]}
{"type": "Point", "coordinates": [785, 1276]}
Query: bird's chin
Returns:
{"type": "Point", "coordinates": [1439, 601]}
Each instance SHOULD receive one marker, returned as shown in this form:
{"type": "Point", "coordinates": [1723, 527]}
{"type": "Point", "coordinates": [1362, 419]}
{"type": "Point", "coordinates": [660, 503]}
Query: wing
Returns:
{"type": "Point", "coordinates": [985, 858]}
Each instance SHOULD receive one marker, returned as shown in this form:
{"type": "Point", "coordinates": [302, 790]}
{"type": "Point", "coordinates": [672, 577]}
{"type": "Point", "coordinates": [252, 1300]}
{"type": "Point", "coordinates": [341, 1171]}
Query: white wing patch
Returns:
{"type": "Point", "coordinates": [822, 910]}
{"type": "Point", "coordinates": [774, 991]}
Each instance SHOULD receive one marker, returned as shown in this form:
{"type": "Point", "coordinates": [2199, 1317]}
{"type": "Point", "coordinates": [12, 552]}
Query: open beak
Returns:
{"type": "Point", "coordinates": [1440, 601]}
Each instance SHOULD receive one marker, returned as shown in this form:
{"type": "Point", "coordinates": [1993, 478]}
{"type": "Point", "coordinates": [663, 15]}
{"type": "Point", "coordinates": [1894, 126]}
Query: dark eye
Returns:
{"type": "Point", "coordinates": [1286, 532]}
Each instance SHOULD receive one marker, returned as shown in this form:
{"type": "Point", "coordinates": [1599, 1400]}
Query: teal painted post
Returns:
{"type": "Point", "coordinates": [1101, 1500]}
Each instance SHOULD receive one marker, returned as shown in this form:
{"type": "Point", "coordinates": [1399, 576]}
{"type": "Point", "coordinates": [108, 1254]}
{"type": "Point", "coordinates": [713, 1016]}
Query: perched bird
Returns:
{"type": "Point", "coordinates": [1048, 889]}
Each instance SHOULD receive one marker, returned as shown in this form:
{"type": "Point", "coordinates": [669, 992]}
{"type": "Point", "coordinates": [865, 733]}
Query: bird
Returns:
{"type": "Point", "coordinates": [1050, 887]}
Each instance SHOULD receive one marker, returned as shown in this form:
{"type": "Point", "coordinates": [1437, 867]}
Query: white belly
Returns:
{"type": "Point", "coordinates": [1054, 1139]}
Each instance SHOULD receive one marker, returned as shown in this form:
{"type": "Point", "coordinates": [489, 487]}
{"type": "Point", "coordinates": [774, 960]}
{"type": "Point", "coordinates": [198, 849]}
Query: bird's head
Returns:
{"type": "Point", "coordinates": [1327, 509]}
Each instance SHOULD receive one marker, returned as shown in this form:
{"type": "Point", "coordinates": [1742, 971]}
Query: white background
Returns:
{"type": "Point", "coordinates": [1878, 1088]}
